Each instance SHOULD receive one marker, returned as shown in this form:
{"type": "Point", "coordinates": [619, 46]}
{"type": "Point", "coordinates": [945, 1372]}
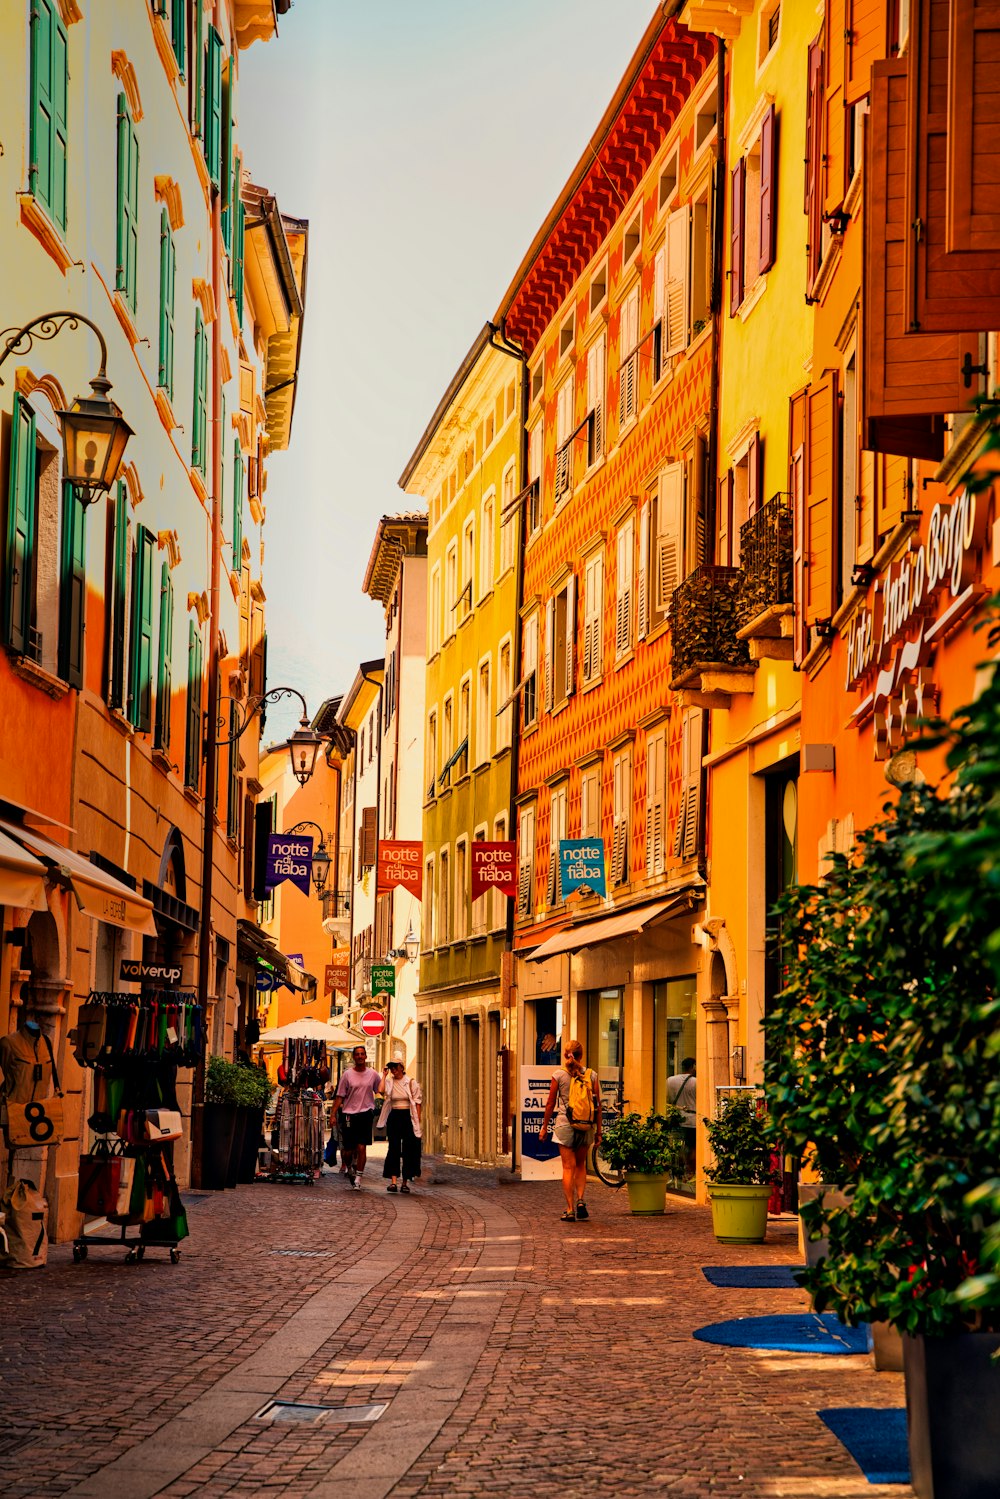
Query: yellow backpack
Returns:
{"type": "Point", "coordinates": [580, 1103]}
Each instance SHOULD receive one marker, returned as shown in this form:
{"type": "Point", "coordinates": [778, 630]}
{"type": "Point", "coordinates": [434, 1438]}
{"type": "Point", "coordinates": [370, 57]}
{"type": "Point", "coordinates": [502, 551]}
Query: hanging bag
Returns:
{"type": "Point", "coordinates": [88, 1035]}
{"type": "Point", "coordinates": [99, 1180]}
{"type": "Point", "coordinates": [40, 1121]}
{"type": "Point", "coordinates": [26, 1216]}
{"type": "Point", "coordinates": [163, 1125]}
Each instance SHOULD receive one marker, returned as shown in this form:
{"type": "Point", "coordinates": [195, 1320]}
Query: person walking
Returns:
{"type": "Point", "coordinates": [401, 1117]}
{"type": "Point", "coordinates": [682, 1092]}
{"type": "Point", "coordinates": [575, 1099]}
{"type": "Point", "coordinates": [354, 1104]}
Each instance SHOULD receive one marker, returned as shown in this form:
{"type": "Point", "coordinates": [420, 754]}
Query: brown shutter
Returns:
{"type": "Point", "coordinates": [833, 150]}
{"type": "Point", "coordinates": [909, 379]}
{"type": "Point", "coordinates": [953, 181]}
{"type": "Point", "coordinates": [892, 495]}
{"type": "Point", "coordinates": [796, 488]}
{"type": "Point", "coordinates": [737, 216]}
{"type": "Point", "coordinates": [820, 541]}
{"type": "Point", "coordinates": [755, 475]}
{"type": "Point", "coordinates": [866, 44]}
{"type": "Point", "coordinates": [768, 190]}
{"type": "Point", "coordinates": [368, 838]}
{"type": "Point", "coordinates": [813, 203]}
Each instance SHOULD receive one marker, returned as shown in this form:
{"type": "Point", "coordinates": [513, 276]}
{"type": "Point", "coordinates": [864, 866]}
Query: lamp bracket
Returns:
{"type": "Point", "coordinates": [20, 340]}
{"type": "Point", "coordinates": [253, 707]}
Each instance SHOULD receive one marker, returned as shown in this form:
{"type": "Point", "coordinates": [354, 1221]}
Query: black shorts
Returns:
{"type": "Point", "coordinates": [356, 1129]}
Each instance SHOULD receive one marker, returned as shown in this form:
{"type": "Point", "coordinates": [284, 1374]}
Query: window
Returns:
{"type": "Point", "coordinates": [706, 119]}
{"type": "Point", "coordinates": [769, 23]}
{"type": "Point", "coordinates": [622, 786]}
{"type": "Point", "coordinates": [72, 588]}
{"type": "Point", "coordinates": [193, 736]}
{"type": "Point", "coordinates": [164, 652]}
{"type": "Point", "coordinates": [564, 436]}
{"type": "Point", "coordinates": [817, 232]}
{"type": "Point", "coordinates": [464, 724]}
{"type": "Point", "coordinates": [529, 674]}
{"type": "Point", "coordinates": [196, 81]}
{"type": "Point", "coordinates": [686, 830]}
{"type": "Point", "coordinates": [117, 593]}
{"type": "Point", "coordinates": [526, 862]}
{"type": "Point", "coordinates": [434, 623]}
{"type": "Point", "coordinates": [480, 906]}
{"type": "Point", "coordinates": [533, 503]}
{"type": "Point", "coordinates": [178, 31]}
{"type": "Point", "coordinates": [656, 802]}
{"type": "Point", "coordinates": [229, 186]}
{"type": "Point", "coordinates": [560, 643]}
{"type": "Point", "coordinates": [49, 89]}
{"type": "Point", "coordinates": [700, 265]}
{"type": "Point", "coordinates": [237, 506]}
{"type": "Point", "coordinates": [444, 898]}
{"type": "Point", "coordinates": [599, 289]}
{"type": "Point", "coordinates": [140, 690]}
{"type": "Point", "coordinates": [430, 758]}
{"type": "Point", "coordinates": [427, 906]}
{"type": "Point", "coordinates": [447, 731]}
{"type": "Point", "coordinates": [628, 344]}
{"type": "Point", "coordinates": [128, 204]}
{"type": "Point", "coordinates": [483, 715]}
{"type": "Point", "coordinates": [498, 919]}
{"type": "Point", "coordinates": [199, 430]}
{"type": "Point", "coordinates": [671, 278]}
{"type": "Point", "coordinates": [624, 583]}
{"type": "Point", "coordinates": [508, 521]}
{"type": "Point", "coordinates": [213, 107]}
{"type": "Point", "coordinates": [668, 179]}
{"type": "Point", "coordinates": [557, 832]}
{"type": "Point", "coordinates": [632, 240]}
{"type": "Point", "coordinates": [450, 588]}
{"type": "Point", "coordinates": [596, 356]}
{"type": "Point", "coordinates": [233, 780]}
{"type": "Point", "coordinates": [567, 333]}
{"type": "Point", "coordinates": [460, 920]}
{"type": "Point", "coordinates": [661, 548]}
{"type": "Point", "coordinates": [593, 610]}
{"type": "Point", "coordinates": [505, 689]}
{"type": "Point", "coordinates": [590, 801]}
{"type": "Point", "coordinates": [239, 236]}
{"type": "Point", "coordinates": [537, 381]}
{"type": "Point", "coordinates": [468, 564]}
{"type": "Point", "coordinates": [486, 544]}
{"type": "Point", "coordinates": [168, 278]}
{"type": "Point", "coordinates": [740, 497]}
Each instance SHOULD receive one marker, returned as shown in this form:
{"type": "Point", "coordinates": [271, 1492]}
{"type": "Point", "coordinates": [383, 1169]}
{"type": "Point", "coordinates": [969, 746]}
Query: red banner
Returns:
{"type": "Point", "coordinates": [400, 862]}
{"type": "Point", "coordinates": [337, 976]}
{"type": "Point", "coordinates": [494, 867]}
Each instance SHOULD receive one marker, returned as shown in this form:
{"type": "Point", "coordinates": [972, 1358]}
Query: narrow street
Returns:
{"type": "Point", "coordinates": [513, 1355]}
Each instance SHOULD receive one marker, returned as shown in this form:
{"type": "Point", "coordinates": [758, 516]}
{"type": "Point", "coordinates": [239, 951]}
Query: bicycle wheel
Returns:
{"type": "Point", "coordinates": [612, 1176]}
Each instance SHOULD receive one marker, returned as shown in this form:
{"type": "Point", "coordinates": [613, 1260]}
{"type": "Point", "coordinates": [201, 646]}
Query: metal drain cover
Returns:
{"type": "Point", "coordinates": [305, 1254]}
{"type": "Point", "coordinates": [318, 1415]}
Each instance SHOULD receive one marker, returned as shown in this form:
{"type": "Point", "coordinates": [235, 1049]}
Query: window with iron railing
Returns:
{"type": "Point", "coordinates": [766, 557]}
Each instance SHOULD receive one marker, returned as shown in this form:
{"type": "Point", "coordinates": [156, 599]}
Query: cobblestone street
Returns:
{"type": "Point", "coordinates": [514, 1355]}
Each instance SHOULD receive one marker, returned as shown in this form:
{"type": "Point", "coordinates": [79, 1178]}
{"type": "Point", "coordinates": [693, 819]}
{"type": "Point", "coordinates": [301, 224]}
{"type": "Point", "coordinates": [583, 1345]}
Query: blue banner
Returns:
{"type": "Point", "coordinates": [581, 865]}
{"type": "Point", "coordinates": [289, 857]}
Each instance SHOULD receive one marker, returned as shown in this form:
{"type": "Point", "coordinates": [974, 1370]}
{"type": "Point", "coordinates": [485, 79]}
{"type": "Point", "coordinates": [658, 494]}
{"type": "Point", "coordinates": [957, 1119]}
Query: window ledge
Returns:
{"type": "Point", "coordinates": [625, 658]}
{"type": "Point", "coordinates": [594, 468]}
{"type": "Point", "coordinates": [118, 721]}
{"type": "Point", "coordinates": [165, 408]}
{"type": "Point", "coordinates": [752, 298]}
{"type": "Point", "coordinates": [483, 765]}
{"type": "Point", "coordinates": [30, 671]}
{"type": "Point", "coordinates": [594, 682]}
{"type": "Point", "coordinates": [35, 218]}
{"type": "Point", "coordinates": [198, 485]}
{"type": "Point", "coordinates": [529, 729]}
{"type": "Point", "coordinates": [559, 707]}
{"type": "Point", "coordinates": [193, 795]}
{"type": "Point", "coordinates": [828, 265]}
{"type": "Point", "coordinates": [162, 761]}
{"type": "Point", "coordinates": [484, 597]}
{"type": "Point", "coordinates": [125, 316]}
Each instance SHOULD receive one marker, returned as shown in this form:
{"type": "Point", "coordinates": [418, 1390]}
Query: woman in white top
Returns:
{"type": "Point", "coordinates": [401, 1117]}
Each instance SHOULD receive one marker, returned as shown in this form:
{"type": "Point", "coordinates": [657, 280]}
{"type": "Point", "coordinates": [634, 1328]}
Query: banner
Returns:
{"type": "Point", "coordinates": [337, 975]}
{"type": "Point", "coordinates": [539, 1159]}
{"type": "Point", "coordinates": [400, 862]}
{"type": "Point", "coordinates": [289, 857]}
{"type": "Point", "coordinates": [581, 863]}
{"type": "Point", "coordinates": [383, 979]}
{"type": "Point", "coordinates": [494, 867]}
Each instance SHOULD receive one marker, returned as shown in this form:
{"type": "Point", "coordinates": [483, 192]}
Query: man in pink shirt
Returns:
{"type": "Point", "coordinates": [355, 1100]}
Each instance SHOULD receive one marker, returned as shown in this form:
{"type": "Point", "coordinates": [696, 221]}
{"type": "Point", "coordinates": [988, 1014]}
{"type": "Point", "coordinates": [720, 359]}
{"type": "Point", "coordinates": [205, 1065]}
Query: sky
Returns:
{"type": "Point", "coordinates": [425, 141]}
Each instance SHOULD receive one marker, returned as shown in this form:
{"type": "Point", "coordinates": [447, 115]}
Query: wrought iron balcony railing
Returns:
{"type": "Point", "coordinates": [766, 558]}
{"type": "Point", "coordinates": [703, 621]}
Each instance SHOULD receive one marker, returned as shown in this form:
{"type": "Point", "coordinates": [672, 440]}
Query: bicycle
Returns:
{"type": "Point", "coordinates": [611, 1176]}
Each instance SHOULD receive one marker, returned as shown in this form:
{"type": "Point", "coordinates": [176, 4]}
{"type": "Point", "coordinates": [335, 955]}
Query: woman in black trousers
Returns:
{"type": "Point", "coordinates": [401, 1117]}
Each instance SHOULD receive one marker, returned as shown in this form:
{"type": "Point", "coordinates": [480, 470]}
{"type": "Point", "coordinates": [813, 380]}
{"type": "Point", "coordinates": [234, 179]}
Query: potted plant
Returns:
{"type": "Point", "coordinates": [649, 1151]}
{"type": "Point", "coordinates": [220, 1124]}
{"type": "Point", "coordinates": [251, 1089]}
{"type": "Point", "coordinates": [742, 1177]}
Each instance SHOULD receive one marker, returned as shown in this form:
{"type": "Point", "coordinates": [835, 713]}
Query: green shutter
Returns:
{"type": "Point", "coordinates": [198, 59]}
{"type": "Point", "coordinates": [233, 796]}
{"type": "Point", "coordinates": [49, 88]}
{"type": "Point", "coordinates": [193, 746]}
{"type": "Point", "coordinates": [126, 274]}
{"type": "Point", "coordinates": [213, 107]}
{"type": "Point", "coordinates": [237, 507]}
{"type": "Point", "coordinates": [239, 231]}
{"type": "Point", "coordinates": [119, 589]}
{"type": "Point", "coordinates": [178, 30]}
{"type": "Point", "coordinates": [227, 159]}
{"type": "Point", "coordinates": [19, 580]}
{"type": "Point", "coordinates": [72, 587]}
{"type": "Point", "coordinates": [164, 669]}
{"type": "Point", "coordinates": [140, 692]}
{"type": "Point", "coordinates": [200, 415]}
{"type": "Point", "coordinates": [168, 278]}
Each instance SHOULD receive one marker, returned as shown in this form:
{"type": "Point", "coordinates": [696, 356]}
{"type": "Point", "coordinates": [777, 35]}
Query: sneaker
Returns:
{"type": "Point", "coordinates": [350, 1175]}
{"type": "Point", "coordinates": [581, 1210]}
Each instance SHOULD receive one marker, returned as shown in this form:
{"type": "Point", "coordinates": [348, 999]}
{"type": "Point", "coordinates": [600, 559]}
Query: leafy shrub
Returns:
{"type": "Point", "coordinates": [652, 1146]}
{"type": "Point", "coordinates": [740, 1142]}
{"type": "Point", "coordinates": [235, 1082]}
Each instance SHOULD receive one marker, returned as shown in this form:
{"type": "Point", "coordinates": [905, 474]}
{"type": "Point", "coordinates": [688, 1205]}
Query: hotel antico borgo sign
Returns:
{"type": "Point", "coordinates": [400, 863]}
{"type": "Point", "coordinates": [493, 867]}
{"type": "Point", "coordinates": [289, 857]}
{"type": "Point", "coordinates": [892, 635]}
{"type": "Point", "coordinates": [581, 865]}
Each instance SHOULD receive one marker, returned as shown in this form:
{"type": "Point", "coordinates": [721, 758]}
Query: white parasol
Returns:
{"type": "Point", "coordinates": [336, 1037]}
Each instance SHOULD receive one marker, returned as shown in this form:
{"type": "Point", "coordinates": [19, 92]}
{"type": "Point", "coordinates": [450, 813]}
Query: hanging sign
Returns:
{"type": "Point", "coordinates": [373, 1023]}
{"type": "Point", "coordinates": [289, 857]}
{"type": "Point", "coordinates": [494, 867]}
{"type": "Point", "coordinates": [581, 865]}
{"type": "Point", "coordinates": [337, 975]}
{"type": "Point", "coordinates": [383, 979]}
{"type": "Point", "coordinates": [400, 862]}
{"type": "Point", "coordinates": [134, 972]}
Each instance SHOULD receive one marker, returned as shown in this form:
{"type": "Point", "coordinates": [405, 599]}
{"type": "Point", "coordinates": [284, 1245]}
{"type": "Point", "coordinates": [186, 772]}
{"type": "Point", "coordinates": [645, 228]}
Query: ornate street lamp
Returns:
{"type": "Point", "coordinates": [410, 947]}
{"type": "Point", "coordinates": [321, 859]}
{"type": "Point", "coordinates": [94, 432]}
{"type": "Point", "coordinates": [303, 746]}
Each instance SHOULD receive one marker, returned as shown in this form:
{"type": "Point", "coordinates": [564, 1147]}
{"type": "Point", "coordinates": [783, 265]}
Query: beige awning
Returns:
{"type": "Point", "coordinates": [97, 894]}
{"type": "Point", "coordinates": [624, 924]}
{"type": "Point", "coordinates": [22, 877]}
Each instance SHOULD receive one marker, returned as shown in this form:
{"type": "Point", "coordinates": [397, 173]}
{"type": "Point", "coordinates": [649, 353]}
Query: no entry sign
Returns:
{"type": "Point", "coordinates": [373, 1022]}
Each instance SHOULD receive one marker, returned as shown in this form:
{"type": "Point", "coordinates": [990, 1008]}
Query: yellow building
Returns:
{"type": "Point", "coordinates": [467, 469]}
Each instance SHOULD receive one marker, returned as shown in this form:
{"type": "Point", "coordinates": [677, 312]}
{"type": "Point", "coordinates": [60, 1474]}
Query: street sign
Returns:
{"type": "Point", "coordinates": [266, 980]}
{"type": "Point", "coordinates": [373, 1023]}
{"type": "Point", "coordinates": [383, 978]}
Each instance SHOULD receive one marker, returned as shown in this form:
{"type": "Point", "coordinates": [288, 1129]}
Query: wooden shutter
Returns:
{"type": "Point", "coordinates": [655, 802]}
{"type": "Point", "coordinates": [822, 478]}
{"type": "Point", "coordinates": [833, 145]}
{"type": "Point", "coordinates": [595, 399]}
{"type": "Point", "coordinates": [263, 827]}
{"type": "Point", "coordinates": [239, 247]}
{"type": "Point", "coordinates": [628, 338]}
{"type": "Point", "coordinates": [768, 191]}
{"type": "Point", "coordinates": [952, 258]}
{"type": "Point", "coordinates": [668, 565]}
{"type": "Point", "coordinates": [550, 651]}
{"type": "Point", "coordinates": [796, 488]}
{"type": "Point", "coordinates": [642, 582]}
{"type": "Point", "coordinates": [814, 159]}
{"type": "Point", "coordinates": [737, 225]}
{"type": "Point", "coordinates": [659, 323]}
{"type": "Point", "coordinates": [141, 653]}
{"type": "Point", "coordinates": [623, 588]}
{"type": "Point", "coordinates": [866, 43]}
{"type": "Point", "coordinates": [49, 90]}
{"type": "Point", "coordinates": [237, 506]}
{"type": "Point", "coordinates": [128, 204]}
{"type": "Point", "coordinates": [755, 475]}
{"type": "Point", "coordinates": [689, 803]}
{"type": "Point", "coordinates": [676, 277]}
{"type": "Point", "coordinates": [168, 279]}
{"type": "Point", "coordinates": [21, 527]}
{"type": "Point", "coordinates": [571, 635]}
{"type": "Point", "coordinates": [178, 30]}
{"type": "Point", "coordinates": [909, 379]}
{"type": "Point", "coordinates": [213, 107]}
{"type": "Point", "coordinates": [118, 589]}
{"type": "Point", "coordinates": [228, 185]}
{"type": "Point", "coordinates": [164, 662]}
{"type": "Point", "coordinates": [72, 588]}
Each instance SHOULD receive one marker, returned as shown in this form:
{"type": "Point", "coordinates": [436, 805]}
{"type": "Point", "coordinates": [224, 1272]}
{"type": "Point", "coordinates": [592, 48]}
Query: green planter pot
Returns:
{"type": "Point", "coordinates": [739, 1214]}
{"type": "Point", "coordinates": [647, 1195]}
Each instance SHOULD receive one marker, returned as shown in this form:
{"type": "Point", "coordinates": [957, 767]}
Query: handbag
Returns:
{"type": "Point", "coordinates": [26, 1216]}
{"type": "Point", "coordinates": [163, 1125]}
{"type": "Point", "coordinates": [40, 1121]}
{"type": "Point", "coordinates": [88, 1035]}
{"type": "Point", "coordinates": [99, 1180]}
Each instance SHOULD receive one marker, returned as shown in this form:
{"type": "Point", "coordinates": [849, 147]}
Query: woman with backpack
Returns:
{"type": "Point", "coordinates": [575, 1099]}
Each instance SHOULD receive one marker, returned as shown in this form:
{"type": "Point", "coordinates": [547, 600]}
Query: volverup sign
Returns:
{"type": "Point", "coordinates": [400, 863]}
{"type": "Point", "coordinates": [135, 972]}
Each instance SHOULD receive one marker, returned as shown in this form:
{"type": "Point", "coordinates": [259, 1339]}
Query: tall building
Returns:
{"type": "Point", "coordinates": [134, 624]}
{"type": "Point", "coordinates": [467, 468]}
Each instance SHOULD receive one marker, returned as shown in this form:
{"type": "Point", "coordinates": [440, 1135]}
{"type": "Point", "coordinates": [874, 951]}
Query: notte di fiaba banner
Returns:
{"type": "Point", "coordinates": [289, 857]}
{"type": "Point", "coordinates": [494, 867]}
{"type": "Point", "coordinates": [581, 863]}
{"type": "Point", "coordinates": [400, 863]}
{"type": "Point", "coordinates": [337, 975]}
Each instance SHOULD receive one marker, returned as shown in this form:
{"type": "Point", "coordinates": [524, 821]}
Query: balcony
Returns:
{"type": "Point", "coordinates": [710, 664]}
{"type": "Point", "coordinates": [764, 598]}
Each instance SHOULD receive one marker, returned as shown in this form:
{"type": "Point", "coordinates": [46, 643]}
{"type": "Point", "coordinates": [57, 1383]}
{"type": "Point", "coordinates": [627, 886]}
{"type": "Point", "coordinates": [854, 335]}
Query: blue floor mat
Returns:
{"type": "Point", "coordinates": [752, 1277]}
{"type": "Point", "coordinates": [876, 1439]}
{"type": "Point", "coordinates": [804, 1332]}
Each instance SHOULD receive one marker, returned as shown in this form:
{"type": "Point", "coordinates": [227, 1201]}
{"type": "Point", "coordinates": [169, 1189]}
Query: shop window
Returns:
{"type": "Point", "coordinates": [605, 1032]}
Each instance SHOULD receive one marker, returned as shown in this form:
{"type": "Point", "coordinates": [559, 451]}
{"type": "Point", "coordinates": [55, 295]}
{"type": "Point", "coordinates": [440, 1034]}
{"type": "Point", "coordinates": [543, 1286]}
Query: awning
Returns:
{"type": "Point", "coordinates": [22, 877]}
{"type": "Point", "coordinates": [254, 945]}
{"type": "Point", "coordinates": [624, 924]}
{"type": "Point", "coordinates": [97, 894]}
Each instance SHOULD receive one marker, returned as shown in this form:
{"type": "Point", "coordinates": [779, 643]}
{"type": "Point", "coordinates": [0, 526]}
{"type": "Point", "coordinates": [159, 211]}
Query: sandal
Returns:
{"type": "Point", "coordinates": [568, 1218]}
{"type": "Point", "coordinates": [404, 1187]}
{"type": "Point", "coordinates": [392, 1187]}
